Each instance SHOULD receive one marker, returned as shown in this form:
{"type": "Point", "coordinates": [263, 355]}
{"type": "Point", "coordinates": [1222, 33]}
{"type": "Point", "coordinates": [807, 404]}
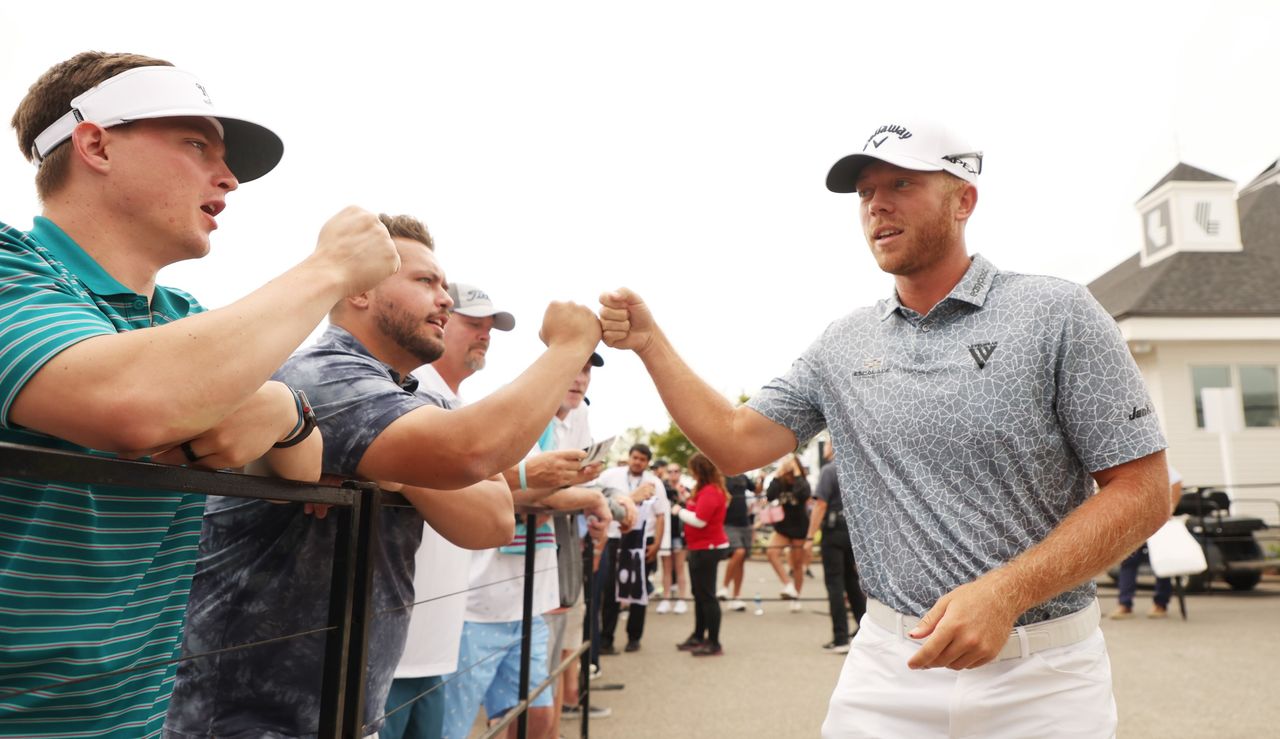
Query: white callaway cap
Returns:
{"type": "Point", "coordinates": [165, 92]}
{"type": "Point", "coordinates": [923, 148]}
{"type": "Point", "coordinates": [470, 300]}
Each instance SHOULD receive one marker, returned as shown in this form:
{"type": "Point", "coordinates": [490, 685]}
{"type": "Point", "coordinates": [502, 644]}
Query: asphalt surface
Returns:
{"type": "Point", "coordinates": [1216, 674]}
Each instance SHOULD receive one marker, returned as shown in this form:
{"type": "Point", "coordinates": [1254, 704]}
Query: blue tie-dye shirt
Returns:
{"type": "Point", "coordinates": [264, 569]}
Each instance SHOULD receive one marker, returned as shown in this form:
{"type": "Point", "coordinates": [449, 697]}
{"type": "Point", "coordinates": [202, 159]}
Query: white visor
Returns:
{"type": "Point", "coordinates": [165, 92]}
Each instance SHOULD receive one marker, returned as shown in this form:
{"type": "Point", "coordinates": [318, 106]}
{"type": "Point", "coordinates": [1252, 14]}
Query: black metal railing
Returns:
{"type": "Point", "coordinates": [357, 507]}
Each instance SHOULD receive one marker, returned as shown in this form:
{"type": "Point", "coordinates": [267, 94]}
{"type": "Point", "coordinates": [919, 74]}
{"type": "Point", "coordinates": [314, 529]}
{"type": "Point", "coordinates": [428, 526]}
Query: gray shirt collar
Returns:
{"type": "Point", "coordinates": [972, 288]}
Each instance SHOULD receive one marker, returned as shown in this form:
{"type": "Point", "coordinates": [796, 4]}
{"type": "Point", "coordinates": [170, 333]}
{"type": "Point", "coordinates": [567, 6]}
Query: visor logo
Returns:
{"type": "Point", "coordinates": [477, 295]}
{"type": "Point", "coordinates": [205, 93]}
{"type": "Point", "coordinates": [884, 132]}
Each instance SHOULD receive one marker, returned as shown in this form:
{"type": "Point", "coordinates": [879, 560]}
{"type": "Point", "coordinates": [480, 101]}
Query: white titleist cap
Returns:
{"type": "Point", "coordinates": [469, 300]}
{"type": "Point", "coordinates": [165, 92]}
{"type": "Point", "coordinates": [923, 148]}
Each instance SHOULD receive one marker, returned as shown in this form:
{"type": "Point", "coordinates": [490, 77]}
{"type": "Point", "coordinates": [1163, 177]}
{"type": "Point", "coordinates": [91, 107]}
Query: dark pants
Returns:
{"type": "Point", "coordinates": [841, 575]}
{"type": "Point", "coordinates": [422, 720]}
{"type": "Point", "coordinates": [598, 580]}
{"type": "Point", "coordinates": [703, 564]}
{"type": "Point", "coordinates": [1128, 581]}
{"type": "Point", "coordinates": [610, 608]}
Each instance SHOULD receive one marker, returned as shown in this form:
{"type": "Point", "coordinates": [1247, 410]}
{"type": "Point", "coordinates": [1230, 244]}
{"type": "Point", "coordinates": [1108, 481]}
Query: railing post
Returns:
{"type": "Point", "coordinates": [526, 624]}
{"type": "Point", "coordinates": [341, 580]}
{"type": "Point", "coordinates": [368, 541]}
{"type": "Point", "coordinates": [588, 633]}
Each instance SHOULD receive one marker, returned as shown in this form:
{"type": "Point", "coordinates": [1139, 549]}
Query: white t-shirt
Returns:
{"type": "Point", "coordinates": [497, 579]}
{"type": "Point", "coordinates": [620, 478]}
{"type": "Point", "coordinates": [435, 628]}
{"type": "Point", "coordinates": [497, 585]}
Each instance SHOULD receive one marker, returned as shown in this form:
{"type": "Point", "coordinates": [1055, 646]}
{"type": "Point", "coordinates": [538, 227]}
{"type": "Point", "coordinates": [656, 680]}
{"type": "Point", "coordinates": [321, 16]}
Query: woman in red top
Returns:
{"type": "Point", "coordinates": [706, 541]}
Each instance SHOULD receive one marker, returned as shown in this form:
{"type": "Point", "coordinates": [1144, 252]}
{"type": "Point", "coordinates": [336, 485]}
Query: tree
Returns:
{"type": "Point", "coordinates": [672, 445]}
{"type": "Point", "coordinates": [627, 439]}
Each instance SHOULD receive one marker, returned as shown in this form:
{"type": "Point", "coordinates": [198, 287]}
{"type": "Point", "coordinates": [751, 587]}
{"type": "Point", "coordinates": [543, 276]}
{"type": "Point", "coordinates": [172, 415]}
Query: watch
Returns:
{"type": "Point", "coordinates": [306, 421]}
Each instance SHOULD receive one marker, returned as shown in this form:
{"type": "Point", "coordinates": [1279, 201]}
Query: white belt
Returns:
{"type": "Point", "coordinates": [1023, 640]}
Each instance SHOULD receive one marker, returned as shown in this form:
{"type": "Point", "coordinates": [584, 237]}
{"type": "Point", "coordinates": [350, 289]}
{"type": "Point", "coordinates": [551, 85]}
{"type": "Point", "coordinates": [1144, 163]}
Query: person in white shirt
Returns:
{"type": "Point", "coordinates": [627, 558]}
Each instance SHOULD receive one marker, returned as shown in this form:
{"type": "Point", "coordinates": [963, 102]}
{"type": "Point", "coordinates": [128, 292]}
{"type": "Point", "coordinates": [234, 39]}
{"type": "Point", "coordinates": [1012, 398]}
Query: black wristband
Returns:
{"type": "Point", "coordinates": [306, 421]}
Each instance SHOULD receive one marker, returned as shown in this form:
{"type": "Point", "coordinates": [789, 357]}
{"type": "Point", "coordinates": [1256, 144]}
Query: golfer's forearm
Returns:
{"type": "Point", "coordinates": [1108, 526]}
{"type": "Point", "coordinates": [735, 439]}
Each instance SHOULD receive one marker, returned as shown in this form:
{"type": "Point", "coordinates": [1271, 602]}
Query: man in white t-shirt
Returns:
{"type": "Point", "coordinates": [488, 618]}
{"type": "Point", "coordinates": [626, 558]}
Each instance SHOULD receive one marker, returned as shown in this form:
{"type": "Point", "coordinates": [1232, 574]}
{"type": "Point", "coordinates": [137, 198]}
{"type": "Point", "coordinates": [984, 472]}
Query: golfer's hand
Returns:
{"type": "Point", "coordinates": [626, 321]}
{"type": "Point", "coordinates": [966, 628]}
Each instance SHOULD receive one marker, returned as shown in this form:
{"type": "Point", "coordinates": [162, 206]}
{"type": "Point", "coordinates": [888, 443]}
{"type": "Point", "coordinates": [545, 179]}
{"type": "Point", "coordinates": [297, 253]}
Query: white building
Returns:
{"type": "Point", "coordinates": [1200, 308]}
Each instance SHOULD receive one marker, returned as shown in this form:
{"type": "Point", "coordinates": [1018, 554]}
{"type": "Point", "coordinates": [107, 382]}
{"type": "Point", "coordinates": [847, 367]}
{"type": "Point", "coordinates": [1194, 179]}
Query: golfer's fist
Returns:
{"type": "Point", "coordinates": [626, 320]}
{"type": "Point", "coordinates": [356, 244]}
{"type": "Point", "coordinates": [570, 324]}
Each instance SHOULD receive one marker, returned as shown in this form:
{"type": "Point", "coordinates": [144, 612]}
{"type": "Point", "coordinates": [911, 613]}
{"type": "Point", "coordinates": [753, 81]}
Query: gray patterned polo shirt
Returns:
{"type": "Point", "coordinates": [964, 436]}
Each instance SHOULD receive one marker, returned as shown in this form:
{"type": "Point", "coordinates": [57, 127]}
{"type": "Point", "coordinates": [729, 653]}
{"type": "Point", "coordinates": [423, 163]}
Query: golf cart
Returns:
{"type": "Point", "coordinates": [1231, 547]}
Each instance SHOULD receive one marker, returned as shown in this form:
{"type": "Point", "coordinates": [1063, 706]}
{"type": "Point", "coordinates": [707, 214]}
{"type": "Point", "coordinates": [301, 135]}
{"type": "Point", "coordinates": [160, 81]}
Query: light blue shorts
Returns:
{"type": "Point", "coordinates": [489, 673]}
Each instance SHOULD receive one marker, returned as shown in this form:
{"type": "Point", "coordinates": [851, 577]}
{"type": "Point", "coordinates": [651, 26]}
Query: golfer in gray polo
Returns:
{"type": "Point", "coordinates": [995, 445]}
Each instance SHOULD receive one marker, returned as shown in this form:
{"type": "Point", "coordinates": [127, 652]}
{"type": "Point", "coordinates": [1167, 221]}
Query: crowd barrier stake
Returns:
{"type": "Point", "coordinates": [526, 627]}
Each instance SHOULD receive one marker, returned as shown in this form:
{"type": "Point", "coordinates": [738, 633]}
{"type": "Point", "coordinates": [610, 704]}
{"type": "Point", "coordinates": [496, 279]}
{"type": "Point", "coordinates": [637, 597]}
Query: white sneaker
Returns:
{"type": "Point", "coordinates": [795, 606]}
{"type": "Point", "coordinates": [789, 592]}
{"type": "Point", "coordinates": [664, 606]}
{"type": "Point", "coordinates": [681, 607]}
{"type": "Point", "coordinates": [737, 605]}
{"type": "Point", "coordinates": [722, 593]}
{"type": "Point", "coordinates": [594, 672]}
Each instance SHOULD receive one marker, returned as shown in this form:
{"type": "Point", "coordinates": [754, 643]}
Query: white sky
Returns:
{"type": "Point", "coordinates": [559, 149]}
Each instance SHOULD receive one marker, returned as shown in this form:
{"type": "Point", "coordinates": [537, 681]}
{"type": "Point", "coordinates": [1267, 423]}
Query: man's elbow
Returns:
{"type": "Point", "coordinates": [493, 532]}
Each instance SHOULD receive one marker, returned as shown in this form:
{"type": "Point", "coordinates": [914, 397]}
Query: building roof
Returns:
{"type": "Point", "coordinates": [1272, 170]}
{"type": "Point", "coordinates": [1243, 283]}
{"type": "Point", "coordinates": [1184, 172]}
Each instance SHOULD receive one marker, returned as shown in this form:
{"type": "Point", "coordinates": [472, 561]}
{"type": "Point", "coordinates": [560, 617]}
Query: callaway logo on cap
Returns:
{"type": "Point", "coordinates": [920, 147]}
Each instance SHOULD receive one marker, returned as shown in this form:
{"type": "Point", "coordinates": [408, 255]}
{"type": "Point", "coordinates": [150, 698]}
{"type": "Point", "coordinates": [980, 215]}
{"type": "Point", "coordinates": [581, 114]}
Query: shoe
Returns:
{"type": "Point", "coordinates": [690, 644]}
{"type": "Point", "coordinates": [595, 672]}
{"type": "Point", "coordinates": [834, 648]}
{"type": "Point", "coordinates": [796, 606]}
{"type": "Point", "coordinates": [664, 606]}
{"type": "Point", "coordinates": [722, 594]}
{"type": "Point", "coordinates": [1158, 612]}
{"type": "Point", "coordinates": [707, 650]}
{"type": "Point", "coordinates": [1121, 613]}
{"type": "Point", "coordinates": [681, 607]}
{"type": "Point", "coordinates": [608, 650]}
{"type": "Point", "coordinates": [737, 605]}
{"type": "Point", "coordinates": [789, 592]}
{"type": "Point", "coordinates": [632, 646]}
{"type": "Point", "coordinates": [595, 712]}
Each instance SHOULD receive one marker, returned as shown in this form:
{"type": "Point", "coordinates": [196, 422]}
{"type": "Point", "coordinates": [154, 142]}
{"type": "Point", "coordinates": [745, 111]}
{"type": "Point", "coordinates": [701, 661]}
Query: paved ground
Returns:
{"type": "Point", "coordinates": [1215, 675]}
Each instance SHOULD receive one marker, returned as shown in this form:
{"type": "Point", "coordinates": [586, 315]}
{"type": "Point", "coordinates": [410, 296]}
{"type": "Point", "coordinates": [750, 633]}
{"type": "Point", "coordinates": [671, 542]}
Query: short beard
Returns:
{"type": "Point", "coordinates": [933, 241]}
{"type": "Point", "coordinates": [407, 334]}
{"type": "Point", "coordinates": [473, 362]}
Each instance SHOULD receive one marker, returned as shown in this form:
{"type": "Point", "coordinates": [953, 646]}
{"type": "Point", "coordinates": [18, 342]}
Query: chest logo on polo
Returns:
{"type": "Point", "coordinates": [871, 366]}
{"type": "Point", "coordinates": [981, 353]}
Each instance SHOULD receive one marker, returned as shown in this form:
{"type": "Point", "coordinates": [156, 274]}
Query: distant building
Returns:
{"type": "Point", "coordinates": [1200, 308]}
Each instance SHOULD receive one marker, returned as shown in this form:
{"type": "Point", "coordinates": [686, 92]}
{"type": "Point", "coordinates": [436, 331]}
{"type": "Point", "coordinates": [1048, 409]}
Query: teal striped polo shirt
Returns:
{"type": "Point", "coordinates": [93, 579]}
